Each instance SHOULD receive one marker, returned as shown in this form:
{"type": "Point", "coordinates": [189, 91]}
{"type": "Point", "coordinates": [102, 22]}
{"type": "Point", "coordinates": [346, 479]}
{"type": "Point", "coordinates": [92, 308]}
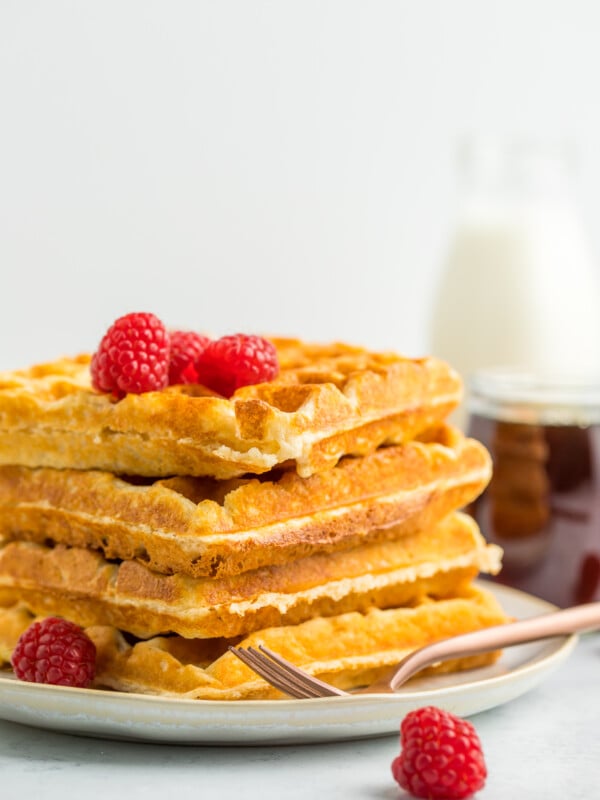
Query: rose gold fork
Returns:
{"type": "Point", "coordinates": [292, 680]}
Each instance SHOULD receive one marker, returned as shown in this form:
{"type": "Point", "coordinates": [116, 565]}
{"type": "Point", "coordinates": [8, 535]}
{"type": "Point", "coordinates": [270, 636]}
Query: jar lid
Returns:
{"type": "Point", "coordinates": [514, 395]}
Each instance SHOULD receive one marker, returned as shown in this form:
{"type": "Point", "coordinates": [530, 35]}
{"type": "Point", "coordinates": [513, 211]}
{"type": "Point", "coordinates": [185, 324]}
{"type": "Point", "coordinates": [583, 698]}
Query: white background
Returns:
{"type": "Point", "coordinates": [243, 165]}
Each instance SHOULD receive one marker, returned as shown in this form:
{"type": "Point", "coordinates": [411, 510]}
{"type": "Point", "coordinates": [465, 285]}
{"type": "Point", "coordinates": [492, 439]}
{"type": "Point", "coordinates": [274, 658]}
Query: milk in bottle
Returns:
{"type": "Point", "coordinates": [519, 287]}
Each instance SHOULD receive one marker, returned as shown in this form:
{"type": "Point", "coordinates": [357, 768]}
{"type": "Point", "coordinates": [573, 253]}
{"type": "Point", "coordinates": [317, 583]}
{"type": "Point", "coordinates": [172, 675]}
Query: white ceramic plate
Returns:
{"type": "Point", "coordinates": [112, 715]}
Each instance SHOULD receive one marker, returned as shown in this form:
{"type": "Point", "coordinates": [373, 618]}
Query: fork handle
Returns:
{"type": "Point", "coordinates": [556, 623]}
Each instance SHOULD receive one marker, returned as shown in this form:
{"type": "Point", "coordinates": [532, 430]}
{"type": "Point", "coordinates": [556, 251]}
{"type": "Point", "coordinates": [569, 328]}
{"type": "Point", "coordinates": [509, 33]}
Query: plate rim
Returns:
{"type": "Point", "coordinates": [22, 698]}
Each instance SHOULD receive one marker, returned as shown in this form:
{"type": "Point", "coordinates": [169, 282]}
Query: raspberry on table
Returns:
{"type": "Point", "coordinates": [186, 347]}
{"type": "Point", "coordinates": [55, 651]}
{"type": "Point", "coordinates": [238, 360]}
{"type": "Point", "coordinates": [133, 356]}
{"type": "Point", "coordinates": [441, 756]}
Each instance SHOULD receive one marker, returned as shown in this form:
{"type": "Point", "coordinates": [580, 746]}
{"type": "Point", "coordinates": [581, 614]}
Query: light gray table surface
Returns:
{"type": "Point", "coordinates": [545, 744]}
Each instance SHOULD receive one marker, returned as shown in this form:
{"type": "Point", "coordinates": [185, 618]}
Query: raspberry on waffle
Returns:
{"type": "Point", "coordinates": [314, 511]}
{"type": "Point", "coordinates": [327, 401]}
{"type": "Point", "coordinates": [133, 356]}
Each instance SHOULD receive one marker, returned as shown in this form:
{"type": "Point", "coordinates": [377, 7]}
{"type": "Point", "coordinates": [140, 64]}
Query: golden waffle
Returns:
{"type": "Point", "coordinates": [83, 586]}
{"type": "Point", "coordinates": [200, 526]}
{"type": "Point", "coordinates": [348, 650]}
{"type": "Point", "coordinates": [328, 401]}
{"type": "Point", "coordinates": [13, 621]}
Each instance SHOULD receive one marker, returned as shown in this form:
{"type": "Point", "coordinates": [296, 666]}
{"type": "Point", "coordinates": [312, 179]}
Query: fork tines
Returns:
{"type": "Point", "coordinates": [264, 667]}
{"type": "Point", "coordinates": [282, 674]}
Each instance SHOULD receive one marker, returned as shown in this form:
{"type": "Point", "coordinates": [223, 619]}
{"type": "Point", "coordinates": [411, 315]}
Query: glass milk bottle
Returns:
{"type": "Point", "coordinates": [519, 287]}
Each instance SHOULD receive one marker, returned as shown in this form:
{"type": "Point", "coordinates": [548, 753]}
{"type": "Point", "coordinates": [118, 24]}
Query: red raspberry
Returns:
{"type": "Point", "coordinates": [441, 756]}
{"type": "Point", "coordinates": [186, 347]}
{"type": "Point", "coordinates": [237, 360]}
{"type": "Point", "coordinates": [55, 651]}
{"type": "Point", "coordinates": [133, 356]}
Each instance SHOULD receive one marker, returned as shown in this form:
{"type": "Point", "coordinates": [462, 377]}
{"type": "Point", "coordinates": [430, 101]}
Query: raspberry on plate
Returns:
{"type": "Point", "coordinates": [186, 348]}
{"type": "Point", "coordinates": [441, 756]}
{"type": "Point", "coordinates": [55, 651]}
{"type": "Point", "coordinates": [238, 360]}
{"type": "Point", "coordinates": [133, 356]}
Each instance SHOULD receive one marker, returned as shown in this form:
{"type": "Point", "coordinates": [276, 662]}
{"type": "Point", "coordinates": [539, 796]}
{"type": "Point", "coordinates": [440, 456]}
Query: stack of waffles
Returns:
{"type": "Point", "coordinates": [316, 514]}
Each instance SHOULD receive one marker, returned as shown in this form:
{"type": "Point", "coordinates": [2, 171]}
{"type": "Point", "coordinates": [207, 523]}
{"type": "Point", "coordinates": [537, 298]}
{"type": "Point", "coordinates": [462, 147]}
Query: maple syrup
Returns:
{"type": "Point", "coordinates": [543, 503]}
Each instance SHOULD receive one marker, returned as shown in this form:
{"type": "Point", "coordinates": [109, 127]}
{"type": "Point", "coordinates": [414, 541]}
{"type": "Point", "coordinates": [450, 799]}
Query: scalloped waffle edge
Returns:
{"type": "Point", "coordinates": [82, 585]}
{"type": "Point", "coordinates": [202, 527]}
{"type": "Point", "coordinates": [348, 650]}
{"type": "Point", "coordinates": [328, 401]}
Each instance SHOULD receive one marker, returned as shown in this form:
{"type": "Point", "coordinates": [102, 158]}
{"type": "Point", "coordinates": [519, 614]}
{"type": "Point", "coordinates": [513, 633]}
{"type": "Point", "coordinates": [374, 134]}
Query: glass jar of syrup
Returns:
{"type": "Point", "coordinates": [543, 503]}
